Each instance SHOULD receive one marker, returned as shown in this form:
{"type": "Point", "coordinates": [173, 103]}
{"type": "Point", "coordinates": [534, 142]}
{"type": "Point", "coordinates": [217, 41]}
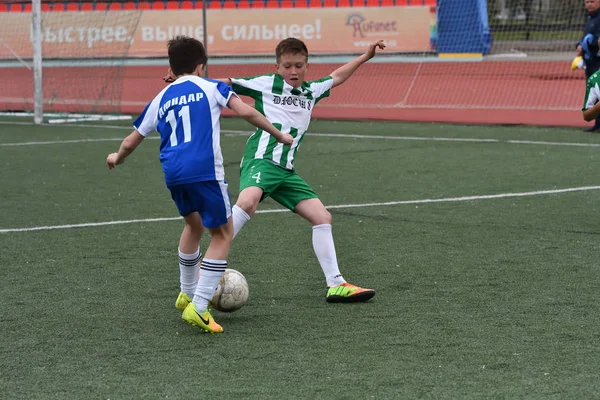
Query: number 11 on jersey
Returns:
{"type": "Point", "coordinates": [184, 114]}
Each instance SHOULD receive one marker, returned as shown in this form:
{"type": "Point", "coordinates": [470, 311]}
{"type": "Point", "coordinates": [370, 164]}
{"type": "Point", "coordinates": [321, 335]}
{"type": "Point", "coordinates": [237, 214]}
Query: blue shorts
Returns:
{"type": "Point", "coordinates": [210, 199]}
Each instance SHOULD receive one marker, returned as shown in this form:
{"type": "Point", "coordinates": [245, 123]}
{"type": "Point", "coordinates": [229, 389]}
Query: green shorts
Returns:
{"type": "Point", "coordinates": [282, 185]}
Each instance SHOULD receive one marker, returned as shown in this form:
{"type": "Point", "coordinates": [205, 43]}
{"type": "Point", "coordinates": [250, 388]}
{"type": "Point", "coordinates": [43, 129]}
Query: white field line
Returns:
{"type": "Point", "coordinates": [333, 135]}
{"type": "Point", "coordinates": [279, 210]}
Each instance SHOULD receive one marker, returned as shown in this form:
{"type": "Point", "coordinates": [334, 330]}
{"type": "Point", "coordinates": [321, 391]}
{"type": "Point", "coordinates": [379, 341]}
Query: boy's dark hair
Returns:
{"type": "Point", "coordinates": [291, 46]}
{"type": "Point", "coordinates": [185, 54]}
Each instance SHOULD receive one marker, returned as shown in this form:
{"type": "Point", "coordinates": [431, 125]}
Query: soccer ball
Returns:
{"type": "Point", "coordinates": [232, 292]}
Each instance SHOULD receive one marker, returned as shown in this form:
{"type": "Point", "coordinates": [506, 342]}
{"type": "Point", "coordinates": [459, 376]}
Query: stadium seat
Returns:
{"type": "Point", "coordinates": [188, 5]}
{"type": "Point", "coordinates": [243, 4]}
{"type": "Point", "coordinates": [45, 7]}
{"type": "Point", "coordinates": [115, 6]}
{"type": "Point", "coordinates": [330, 3]}
{"type": "Point", "coordinates": [144, 5]}
{"type": "Point", "coordinates": [86, 7]}
{"type": "Point", "coordinates": [213, 4]}
{"type": "Point", "coordinates": [387, 3]}
{"type": "Point", "coordinates": [172, 5]}
{"type": "Point", "coordinates": [286, 4]}
{"type": "Point", "coordinates": [315, 4]}
{"type": "Point", "coordinates": [4, 8]}
{"type": "Point", "coordinates": [58, 7]}
{"type": "Point", "coordinates": [229, 4]}
{"type": "Point", "coordinates": [130, 5]}
{"type": "Point", "coordinates": [358, 3]}
{"type": "Point", "coordinates": [157, 5]}
{"type": "Point", "coordinates": [72, 6]}
{"type": "Point", "coordinates": [100, 7]}
{"type": "Point", "coordinates": [15, 7]}
{"type": "Point", "coordinates": [373, 3]}
{"type": "Point", "coordinates": [301, 4]}
{"type": "Point", "coordinates": [257, 4]}
{"type": "Point", "coordinates": [344, 3]}
{"type": "Point", "coordinates": [27, 7]}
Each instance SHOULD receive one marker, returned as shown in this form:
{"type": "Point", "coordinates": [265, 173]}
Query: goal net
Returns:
{"type": "Point", "coordinates": [83, 51]}
{"type": "Point", "coordinates": [496, 61]}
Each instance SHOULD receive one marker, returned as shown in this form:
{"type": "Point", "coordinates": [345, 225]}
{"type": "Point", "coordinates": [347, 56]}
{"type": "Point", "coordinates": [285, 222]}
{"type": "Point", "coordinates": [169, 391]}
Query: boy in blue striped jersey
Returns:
{"type": "Point", "coordinates": [187, 115]}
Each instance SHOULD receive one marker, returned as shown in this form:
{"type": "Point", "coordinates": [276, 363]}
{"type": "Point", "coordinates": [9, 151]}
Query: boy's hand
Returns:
{"type": "Point", "coordinates": [169, 77]}
{"type": "Point", "coordinates": [286, 139]}
{"type": "Point", "coordinates": [373, 47]}
{"type": "Point", "coordinates": [113, 160]}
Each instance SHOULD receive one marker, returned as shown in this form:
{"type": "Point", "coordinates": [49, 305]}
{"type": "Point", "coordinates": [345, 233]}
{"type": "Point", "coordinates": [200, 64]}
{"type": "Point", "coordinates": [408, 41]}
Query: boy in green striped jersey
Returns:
{"type": "Point", "coordinates": [267, 168]}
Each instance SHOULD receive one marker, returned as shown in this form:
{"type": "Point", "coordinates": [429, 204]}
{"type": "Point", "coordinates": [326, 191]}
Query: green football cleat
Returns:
{"type": "Point", "coordinates": [348, 293]}
{"type": "Point", "coordinates": [182, 301]}
{"type": "Point", "coordinates": [203, 320]}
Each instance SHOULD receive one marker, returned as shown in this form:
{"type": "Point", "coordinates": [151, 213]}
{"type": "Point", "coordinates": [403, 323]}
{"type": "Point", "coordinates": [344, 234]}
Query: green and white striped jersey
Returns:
{"type": "Point", "coordinates": [592, 92]}
{"type": "Point", "coordinates": [289, 109]}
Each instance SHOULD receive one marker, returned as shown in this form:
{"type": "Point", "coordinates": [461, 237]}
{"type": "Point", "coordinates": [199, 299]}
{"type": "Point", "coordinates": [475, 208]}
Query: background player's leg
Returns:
{"type": "Point", "coordinates": [589, 71]}
{"type": "Point", "coordinates": [315, 212]}
{"type": "Point", "coordinates": [189, 253]}
{"type": "Point", "coordinates": [245, 207]}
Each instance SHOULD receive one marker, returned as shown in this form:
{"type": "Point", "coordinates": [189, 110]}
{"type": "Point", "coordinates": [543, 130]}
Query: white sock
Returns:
{"type": "Point", "coordinates": [211, 272]}
{"type": "Point", "coordinates": [239, 219]}
{"type": "Point", "coordinates": [188, 271]}
{"type": "Point", "coordinates": [325, 251]}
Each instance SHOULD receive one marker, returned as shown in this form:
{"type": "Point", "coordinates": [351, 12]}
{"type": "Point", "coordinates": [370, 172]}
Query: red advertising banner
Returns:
{"type": "Point", "coordinates": [230, 32]}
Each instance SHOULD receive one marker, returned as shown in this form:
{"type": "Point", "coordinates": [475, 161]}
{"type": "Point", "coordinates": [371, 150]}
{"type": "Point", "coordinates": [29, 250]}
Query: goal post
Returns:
{"type": "Point", "coordinates": [36, 38]}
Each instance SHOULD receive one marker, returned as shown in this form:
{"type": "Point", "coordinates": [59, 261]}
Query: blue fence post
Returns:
{"type": "Point", "coordinates": [463, 27]}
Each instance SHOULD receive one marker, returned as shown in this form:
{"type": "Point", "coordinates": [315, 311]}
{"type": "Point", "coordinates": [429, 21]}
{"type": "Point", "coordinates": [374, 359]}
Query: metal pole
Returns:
{"type": "Point", "coordinates": [205, 34]}
{"type": "Point", "coordinates": [38, 89]}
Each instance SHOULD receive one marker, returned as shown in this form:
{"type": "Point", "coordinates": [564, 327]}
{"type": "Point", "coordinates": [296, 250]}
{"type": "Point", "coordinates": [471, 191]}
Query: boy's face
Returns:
{"type": "Point", "coordinates": [293, 68]}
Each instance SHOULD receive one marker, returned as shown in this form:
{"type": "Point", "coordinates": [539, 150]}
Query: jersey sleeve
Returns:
{"type": "Point", "coordinates": [592, 93]}
{"type": "Point", "coordinates": [253, 86]}
{"type": "Point", "coordinates": [146, 123]}
{"type": "Point", "coordinates": [321, 88]}
{"type": "Point", "coordinates": [223, 93]}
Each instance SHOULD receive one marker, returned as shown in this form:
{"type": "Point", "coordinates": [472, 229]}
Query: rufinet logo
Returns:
{"type": "Point", "coordinates": [365, 28]}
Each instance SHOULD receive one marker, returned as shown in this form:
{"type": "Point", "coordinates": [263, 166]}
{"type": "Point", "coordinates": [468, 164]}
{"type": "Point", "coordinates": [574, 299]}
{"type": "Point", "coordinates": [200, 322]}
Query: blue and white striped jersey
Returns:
{"type": "Point", "coordinates": [187, 115]}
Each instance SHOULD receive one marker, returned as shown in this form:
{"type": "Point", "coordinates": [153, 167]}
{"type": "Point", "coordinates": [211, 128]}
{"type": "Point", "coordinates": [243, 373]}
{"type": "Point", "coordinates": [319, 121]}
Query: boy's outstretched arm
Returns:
{"type": "Point", "coordinates": [258, 120]}
{"type": "Point", "coordinates": [345, 71]}
{"type": "Point", "coordinates": [129, 144]}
